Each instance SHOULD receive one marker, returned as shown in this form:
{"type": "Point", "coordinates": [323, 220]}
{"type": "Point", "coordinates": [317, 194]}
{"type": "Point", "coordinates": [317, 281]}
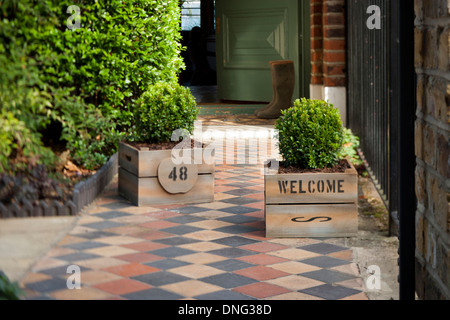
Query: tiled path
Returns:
{"type": "Point", "coordinates": [210, 251]}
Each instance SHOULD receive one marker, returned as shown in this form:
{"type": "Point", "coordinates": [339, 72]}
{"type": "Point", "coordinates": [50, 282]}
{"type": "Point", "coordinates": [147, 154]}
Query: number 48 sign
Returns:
{"type": "Point", "coordinates": [183, 173]}
{"type": "Point", "coordinates": [177, 178]}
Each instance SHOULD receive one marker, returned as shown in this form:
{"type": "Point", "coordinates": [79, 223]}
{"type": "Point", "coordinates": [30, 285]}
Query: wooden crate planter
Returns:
{"type": "Point", "coordinates": [149, 177]}
{"type": "Point", "coordinates": [311, 204]}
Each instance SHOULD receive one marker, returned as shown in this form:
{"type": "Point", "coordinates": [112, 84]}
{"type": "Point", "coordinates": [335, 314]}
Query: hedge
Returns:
{"type": "Point", "coordinates": [81, 80]}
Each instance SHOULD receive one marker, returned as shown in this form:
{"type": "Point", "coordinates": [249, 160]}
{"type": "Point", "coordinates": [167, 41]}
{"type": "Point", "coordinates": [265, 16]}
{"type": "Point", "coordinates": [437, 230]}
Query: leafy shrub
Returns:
{"type": "Point", "coordinates": [350, 147]}
{"type": "Point", "coordinates": [9, 290]}
{"type": "Point", "coordinates": [84, 80]}
{"type": "Point", "coordinates": [162, 109]}
{"type": "Point", "coordinates": [23, 114]}
{"type": "Point", "coordinates": [310, 134]}
{"type": "Point", "coordinates": [120, 49]}
{"type": "Point", "coordinates": [19, 145]}
{"type": "Point", "coordinates": [91, 137]}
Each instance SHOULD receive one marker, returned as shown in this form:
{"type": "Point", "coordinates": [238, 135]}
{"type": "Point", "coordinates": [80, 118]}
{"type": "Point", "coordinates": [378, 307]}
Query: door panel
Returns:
{"type": "Point", "coordinates": [253, 37]}
{"type": "Point", "coordinates": [251, 33]}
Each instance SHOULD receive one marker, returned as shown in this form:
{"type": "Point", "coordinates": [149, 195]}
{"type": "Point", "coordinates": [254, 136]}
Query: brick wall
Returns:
{"type": "Point", "coordinates": [328, 46]}
{"type": "Point", "coordinates": [432, 148]}
{"type": "Point", "coordinates": [328, 53]}
{"type": "Point", "coordinates": [316, 42]}
{"type": "Point", "coordinates": [334, 45]}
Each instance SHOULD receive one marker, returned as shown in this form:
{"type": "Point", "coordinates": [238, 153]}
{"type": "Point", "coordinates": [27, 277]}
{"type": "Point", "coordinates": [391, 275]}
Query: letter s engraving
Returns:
{"type": "Point", "coordinates": [323, 219]}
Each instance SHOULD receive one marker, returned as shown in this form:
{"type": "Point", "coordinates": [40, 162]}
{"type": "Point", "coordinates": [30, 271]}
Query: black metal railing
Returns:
{"type": "Point", "coordinates": [381, 111]}
{"type": "Point", "coordinates": [368, 87]}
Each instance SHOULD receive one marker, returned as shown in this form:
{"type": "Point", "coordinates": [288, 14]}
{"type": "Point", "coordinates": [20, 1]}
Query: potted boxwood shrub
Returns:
{"type": "Point", "coordinates": [155, 167]}
{"type": "Point", "coordinates": [312, 191]}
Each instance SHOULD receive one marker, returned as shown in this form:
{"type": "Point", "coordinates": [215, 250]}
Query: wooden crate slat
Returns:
{"type": "Point", "coordinates": [311, 204]}
{"type": "Point", "coordinates": [128, 186]}
{"type": "Point", "coordinates": [144, 164]}
{"type": "Point", "coordinates": [311, 188]}
{"type": "Point", "coordinates": [337, 220]}
{"type": "Point", "coordinates": [148, 191]}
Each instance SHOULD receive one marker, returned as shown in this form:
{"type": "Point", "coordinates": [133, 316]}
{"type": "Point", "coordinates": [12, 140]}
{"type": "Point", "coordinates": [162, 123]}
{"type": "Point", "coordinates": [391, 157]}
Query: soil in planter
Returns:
{"type": "Point", "coordinates": [340, 167]}
{"type": "Point", "coordinates": [158, 146]}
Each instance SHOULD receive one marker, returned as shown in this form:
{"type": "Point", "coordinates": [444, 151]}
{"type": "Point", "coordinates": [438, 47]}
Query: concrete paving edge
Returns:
{"type": "Point", "coordinates": [23, 241]}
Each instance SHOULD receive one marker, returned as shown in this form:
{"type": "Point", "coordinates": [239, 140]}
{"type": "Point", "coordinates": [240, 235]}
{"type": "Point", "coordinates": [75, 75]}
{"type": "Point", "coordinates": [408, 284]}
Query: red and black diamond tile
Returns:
{"type": "Point", "coordinates": [210, 251]}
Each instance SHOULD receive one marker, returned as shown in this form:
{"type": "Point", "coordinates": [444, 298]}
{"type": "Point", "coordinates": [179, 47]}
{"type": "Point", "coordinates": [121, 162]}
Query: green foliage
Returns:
{"type": "Point", "coordinates": [86, 80]}
{"type": "Point", "coordinates": [162, 109]}
{"type": "Point", "coordinates": [120, 49]}
{"type": "Point", "coordinates": [19, 145]}
{"type": "Point", "coordinates": [91, 137]}
{"type": "Point", "coordinates": [350, 147]}
{"type": "Point", "coordinates": [23, 114]}
{"type": "Point", "coordinates": [8, 290]}
{"type": "Point", "coordinates": [310, 134]}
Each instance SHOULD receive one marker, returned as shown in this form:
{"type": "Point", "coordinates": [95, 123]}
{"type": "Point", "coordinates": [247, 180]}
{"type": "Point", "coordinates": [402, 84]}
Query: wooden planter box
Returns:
{"type": "Point", "coordinates": [149, 177]}
{"type": "Point", "coordinates": [311, 204]}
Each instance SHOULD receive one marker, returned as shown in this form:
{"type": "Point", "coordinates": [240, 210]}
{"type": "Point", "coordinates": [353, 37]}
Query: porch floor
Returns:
{"type": "Point", "coordinates": [206, 251]}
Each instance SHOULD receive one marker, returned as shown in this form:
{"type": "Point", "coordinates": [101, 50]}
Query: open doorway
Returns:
{"type": "Point", "coordinates": [231, 42]}
{"type": "Point", "coordinates": [199, 39]}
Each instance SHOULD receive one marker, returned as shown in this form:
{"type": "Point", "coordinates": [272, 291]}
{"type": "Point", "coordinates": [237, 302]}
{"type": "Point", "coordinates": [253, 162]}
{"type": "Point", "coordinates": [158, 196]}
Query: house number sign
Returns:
{"type": "Point", "coordinates": [177, 178]}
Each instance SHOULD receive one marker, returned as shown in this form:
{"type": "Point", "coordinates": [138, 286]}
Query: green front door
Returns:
{"type": "Point", "coordinates": [250, 33]}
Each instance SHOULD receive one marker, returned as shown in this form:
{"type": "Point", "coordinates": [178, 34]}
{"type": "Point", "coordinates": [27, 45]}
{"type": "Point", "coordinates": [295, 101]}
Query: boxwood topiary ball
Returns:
{"type": "Point", "coordinates": [310, 134]}
{"type": "Point", "coordinates": [162, 109]}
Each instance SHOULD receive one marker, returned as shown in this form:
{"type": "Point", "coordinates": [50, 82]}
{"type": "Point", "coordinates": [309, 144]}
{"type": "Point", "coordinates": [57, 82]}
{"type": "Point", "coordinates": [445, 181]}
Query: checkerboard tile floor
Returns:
{"type": "Point", "coordinates": [209, 251]}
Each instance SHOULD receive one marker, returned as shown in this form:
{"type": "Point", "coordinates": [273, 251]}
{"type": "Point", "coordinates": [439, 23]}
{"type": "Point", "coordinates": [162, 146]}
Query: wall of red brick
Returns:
{"type": "Point", "coordinates": [328, 43]}
{"type": "Point", "coordinates": [316, 42]}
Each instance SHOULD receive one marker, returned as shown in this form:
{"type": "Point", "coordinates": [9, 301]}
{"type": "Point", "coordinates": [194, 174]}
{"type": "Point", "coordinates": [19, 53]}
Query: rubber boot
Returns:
{"type": "Point", "coordinates": [283, 82]}
{"type": "Point", "coordinates": [272, 72]}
